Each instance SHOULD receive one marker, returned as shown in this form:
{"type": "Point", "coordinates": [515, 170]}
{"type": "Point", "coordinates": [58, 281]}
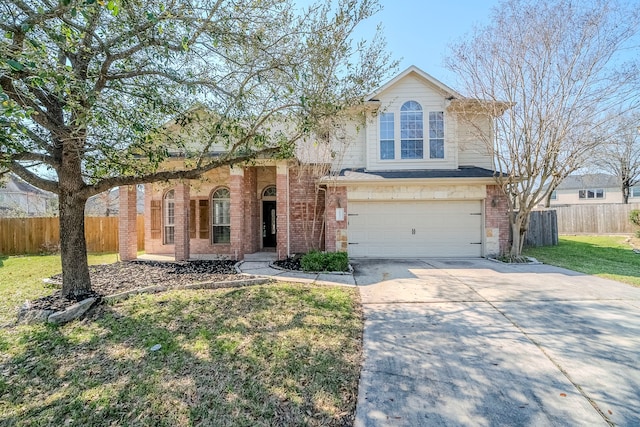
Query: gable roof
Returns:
{"type": "Point", "coordinates": [595, 180]}
{"type": "Point", "coordinates": [414, 70]}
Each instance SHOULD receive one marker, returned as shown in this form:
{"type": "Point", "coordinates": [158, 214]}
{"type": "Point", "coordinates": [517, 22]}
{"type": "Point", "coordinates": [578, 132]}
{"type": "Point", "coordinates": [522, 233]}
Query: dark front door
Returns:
{"type": "Point", "coordinates": [269, 224]}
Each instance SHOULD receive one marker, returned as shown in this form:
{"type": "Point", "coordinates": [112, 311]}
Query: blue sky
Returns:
{"type": "Point", "coordinates": [418, 32]}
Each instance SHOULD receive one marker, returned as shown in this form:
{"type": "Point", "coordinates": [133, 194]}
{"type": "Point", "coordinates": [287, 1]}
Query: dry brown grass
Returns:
{"type": "Point", "coordinates": [281, 354]}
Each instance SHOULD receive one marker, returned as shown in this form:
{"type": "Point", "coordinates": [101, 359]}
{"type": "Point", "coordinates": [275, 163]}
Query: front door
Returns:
{"type": "Point", "coordinates": [269, 224]}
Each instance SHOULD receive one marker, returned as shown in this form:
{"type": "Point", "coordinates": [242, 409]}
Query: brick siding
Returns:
{"type": "Point", "coordinates": [496, 216]}
{"type": "Point", "coordinates": [127, 223]}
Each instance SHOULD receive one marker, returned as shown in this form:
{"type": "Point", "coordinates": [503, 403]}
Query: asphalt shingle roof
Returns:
{"type": "Point", "coordinates": [462, 172]}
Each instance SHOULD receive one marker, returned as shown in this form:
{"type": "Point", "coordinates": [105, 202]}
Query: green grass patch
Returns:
{"type": "Point", "coordinates": [21, 279]}
{"type": "Point", "coordinates": [325, 261]}
{"type": "Point", "coordinates": [604, 256]}
{"type": "Point", "coordinates": [280, 354]}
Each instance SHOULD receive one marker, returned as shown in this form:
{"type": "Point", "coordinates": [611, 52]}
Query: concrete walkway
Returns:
{"type": "Point", "coordinates": [258, 264]}
{"type": "Point", "coordinates": [478, 343]}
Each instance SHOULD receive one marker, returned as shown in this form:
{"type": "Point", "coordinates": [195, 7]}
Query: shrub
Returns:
{"type": "Point", "coordinates": [325, 261]}
{"type": "Point", "coordinates": [634, 217]}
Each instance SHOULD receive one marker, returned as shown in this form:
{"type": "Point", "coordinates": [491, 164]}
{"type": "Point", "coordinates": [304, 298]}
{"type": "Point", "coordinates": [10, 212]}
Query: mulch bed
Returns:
{"type": "Point", "coordinates": [290, 263]}
{"type": "Point", "coordinates": [110, 279]}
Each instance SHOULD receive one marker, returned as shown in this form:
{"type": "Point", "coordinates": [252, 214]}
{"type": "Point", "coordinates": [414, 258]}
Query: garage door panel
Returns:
{"type": "Point", "coordinates": [415, 229]}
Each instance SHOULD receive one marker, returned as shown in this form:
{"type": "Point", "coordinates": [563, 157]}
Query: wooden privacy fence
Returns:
{"type": "Point", "coordinates": [543, 229]}
{"type": "Point", "coordinates": [36, 235]}
{"type": "Point", "coordinates": [596, 219]}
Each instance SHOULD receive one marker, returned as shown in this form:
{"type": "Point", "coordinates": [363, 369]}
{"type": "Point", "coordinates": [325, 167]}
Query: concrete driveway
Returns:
{"type": "Point", "coordinates": [475, 342]}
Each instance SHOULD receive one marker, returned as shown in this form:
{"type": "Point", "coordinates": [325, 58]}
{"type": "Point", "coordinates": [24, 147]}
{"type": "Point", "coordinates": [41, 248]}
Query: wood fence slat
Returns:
{"type": "Point", "coordinates": [20, 236]}
{"type": "Point", "coordinates": [543, 229]}
{"type": "Point", "coordinates": [612, 218]}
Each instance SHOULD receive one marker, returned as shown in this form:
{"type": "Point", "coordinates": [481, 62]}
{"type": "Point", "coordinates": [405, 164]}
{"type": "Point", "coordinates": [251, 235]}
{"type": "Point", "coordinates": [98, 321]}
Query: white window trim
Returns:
{"type": "Point", "coordinates": [168, 218]}
{"type": "Point", "coordinates": [214, 224]}
{"type": "Point", "coordinates": [397, 140]}
{"type": "Point", "coordinates": [594, 191]}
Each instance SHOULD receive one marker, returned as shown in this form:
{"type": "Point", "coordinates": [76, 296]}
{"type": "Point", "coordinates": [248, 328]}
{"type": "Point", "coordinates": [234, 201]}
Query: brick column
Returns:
{"type": "Point", "coordinates": [236, 188]}
{"type": "Point", "coordinates": [282, 211]}
{"type": "Point", "coordinates": [127, 223]}
{"type": "Point", "coordinates": [182, 196]}
{"type": "Point", "coordinates": [148, 196]}
{"type": "Point", "coordinates": [252, 229]}
{"type": "Point", "coordinates": [496, 225]}
{"type": "Point", "coordinates": [336, 231]}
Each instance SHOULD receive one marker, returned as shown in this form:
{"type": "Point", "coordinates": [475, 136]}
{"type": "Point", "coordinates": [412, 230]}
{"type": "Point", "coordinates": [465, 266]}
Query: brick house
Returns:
{"type": "Point", "coordinates": [411, 177]}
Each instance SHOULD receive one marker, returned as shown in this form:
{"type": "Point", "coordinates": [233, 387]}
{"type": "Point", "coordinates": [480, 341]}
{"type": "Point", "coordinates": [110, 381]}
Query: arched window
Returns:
{"type": "Point", "coordinates": [221, 202]}
{"type": "Point", "coordinates": [411, 131]}
{"type": "Point", "coordinates": [270, 191]}
{"type": "Point", "coordinates": [169, 217]}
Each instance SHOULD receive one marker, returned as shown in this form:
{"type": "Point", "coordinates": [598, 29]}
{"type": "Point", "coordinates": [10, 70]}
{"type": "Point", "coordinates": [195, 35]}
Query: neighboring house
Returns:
{"type": "Point", "coordinates": [18, 198]}
{"type": "Point", "coordinates": [411, 181]}
{"type": "Point", "coordinates": [591, 189]}
{"type": "Point", "coordinates": [108, 203]}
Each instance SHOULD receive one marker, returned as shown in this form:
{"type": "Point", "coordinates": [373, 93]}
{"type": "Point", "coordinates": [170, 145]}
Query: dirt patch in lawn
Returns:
{"type": "Point", "coordinates": [110, 279]}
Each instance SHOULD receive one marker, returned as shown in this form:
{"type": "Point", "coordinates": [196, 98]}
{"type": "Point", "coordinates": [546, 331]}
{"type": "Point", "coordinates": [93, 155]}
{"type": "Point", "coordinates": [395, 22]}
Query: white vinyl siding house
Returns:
{"type": "Point", "coordinates": [422, 187]}
{"type": "Point", "coordinates": [410, 89]}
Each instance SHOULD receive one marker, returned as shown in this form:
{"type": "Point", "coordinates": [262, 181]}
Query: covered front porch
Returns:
{"type": "Point", "coordinates": [229, 213]}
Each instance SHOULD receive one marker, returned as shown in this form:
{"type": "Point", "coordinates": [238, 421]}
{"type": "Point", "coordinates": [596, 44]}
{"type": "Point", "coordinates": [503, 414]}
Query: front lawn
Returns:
{"type": "Point", "coordinates": [280, 354]}
{"type": "Point", "coordinates": [21, 279]}
{"type": "Point", "coordinates": [605, 256]}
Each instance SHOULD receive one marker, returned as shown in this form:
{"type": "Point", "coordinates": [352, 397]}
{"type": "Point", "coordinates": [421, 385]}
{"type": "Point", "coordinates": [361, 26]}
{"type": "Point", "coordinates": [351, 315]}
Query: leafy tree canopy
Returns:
{"type": "Point", "coordinates": [87, 86]}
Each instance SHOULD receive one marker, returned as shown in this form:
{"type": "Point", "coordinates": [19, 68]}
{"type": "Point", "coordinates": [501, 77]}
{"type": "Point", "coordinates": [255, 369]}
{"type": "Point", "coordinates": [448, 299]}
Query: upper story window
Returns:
{"type": "Point", "coordinates": [554, 195]}
{"type": "Point", "coordinates": [169, 210]}
{"type": "Point", "coordinates": [387, 146]}
{"type": "Point", "coordinates": [411, 131]}
{"type": "Point", "coordinates": [221, 199]}
{"type": "Point", "coordinates": [597, 193]}
{"type": "Point", "coordinates": [436, 135]}
{"type": "Point", "coordinates": [635, 191]}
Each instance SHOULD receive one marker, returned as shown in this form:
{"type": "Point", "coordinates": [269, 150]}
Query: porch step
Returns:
{"type": "Point", "coordinates": [261, 256]}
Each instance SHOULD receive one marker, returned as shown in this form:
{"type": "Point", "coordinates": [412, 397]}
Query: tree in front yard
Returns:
{"type": "Point", "coordinates": [619, 154]}
{"type": "Point", "coordinates": [87, 87]}
{"type": "Point", "coordinates": [558, 66]}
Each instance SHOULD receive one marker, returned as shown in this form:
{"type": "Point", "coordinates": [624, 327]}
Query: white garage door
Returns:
{"type": "Point", "coordinates": [415, 229]}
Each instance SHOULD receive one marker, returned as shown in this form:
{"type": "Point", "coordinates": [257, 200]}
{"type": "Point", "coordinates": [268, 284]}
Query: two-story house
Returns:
{"type": "Point", "coordinates": [408, 177]}
{"type": "Point", "coordinates": [591, 189]}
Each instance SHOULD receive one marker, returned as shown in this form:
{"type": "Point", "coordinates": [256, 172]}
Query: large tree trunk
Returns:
{"type": "Point", "coordinates": [519, 226]}
{"type": "Point", "coordinates": [73, 247]}
{"type": "Point", "coordinates": [625, 194]}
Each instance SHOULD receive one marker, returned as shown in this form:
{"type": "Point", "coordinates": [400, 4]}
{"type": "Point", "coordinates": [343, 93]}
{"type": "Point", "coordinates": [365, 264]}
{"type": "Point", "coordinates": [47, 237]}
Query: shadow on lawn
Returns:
{"type": "Point", "coordinates": [250, 356]}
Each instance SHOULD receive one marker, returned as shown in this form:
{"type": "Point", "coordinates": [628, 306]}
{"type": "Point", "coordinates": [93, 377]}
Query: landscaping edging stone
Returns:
{"type": "Point", "coordinates": [29, 316]}
{"type": "Point", "coordinates": [339, 273]}
{"type": "Point", "coordinates": [73, 312]}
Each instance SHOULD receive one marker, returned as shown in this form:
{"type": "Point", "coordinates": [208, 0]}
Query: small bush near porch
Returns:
{"type": "Point", "coordinates": [325, 261]}
{"type": "Point", "coordinates": [280, 354]}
